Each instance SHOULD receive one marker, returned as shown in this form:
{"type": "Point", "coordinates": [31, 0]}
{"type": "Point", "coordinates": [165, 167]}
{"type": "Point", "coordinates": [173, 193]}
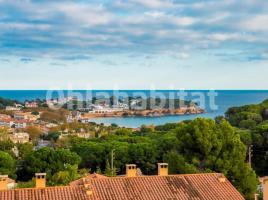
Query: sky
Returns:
{"type": "Point", "coordinates": [134, 44]}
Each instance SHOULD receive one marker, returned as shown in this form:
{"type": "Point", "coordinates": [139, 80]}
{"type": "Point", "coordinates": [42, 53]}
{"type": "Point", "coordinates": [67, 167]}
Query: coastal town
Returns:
{"type": "Point", "coordinates": [33, 128]}
{"type": "Point", "coordinates": [18, 117]}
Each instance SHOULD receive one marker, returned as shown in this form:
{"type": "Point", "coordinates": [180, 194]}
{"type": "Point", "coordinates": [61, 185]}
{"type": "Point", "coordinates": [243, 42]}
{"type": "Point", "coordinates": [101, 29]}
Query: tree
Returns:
{"type": "Point", "coordinates": [178, 164]}
{"type": "Point", "coordinates": [92, 154]}
{"type": "Point", "coordinates": [108, 169]}
{"type": "Point", "coordinates": [247, 124]}
{"type": "Point", "coordinates": [6, 146]}
{"type": "Point", "coordinates": [34, 132]}
{"type": "Point", "coordinates": [54, 136]}
{"type": "Point", "coordinates": [49, 161]}
{"type": "Point", "coordinates": [28, 184]}
{"type": "Point", "coordinates": [144, 155]}
{"type": "Point", "coordinates": [4, 134]}
{"type": "Point", "coordinates": [7, 165]}
{"type": "Point", "coordinates": [35, 112]}
{"type": "Point", "coordinates": [66, 176]}
{"type": "Point", "coordinates": [216, 147]}
{"type": "Point", "coordinates": [123, 131]}
{"type": "Point", "coordinates": [54, 116]}
{"type": "Point", "coordinates": [260, 151]}
{"type": "Point", "coordinates": [6, 102]}
{"type": "Point", "coordinates": [24, 150]}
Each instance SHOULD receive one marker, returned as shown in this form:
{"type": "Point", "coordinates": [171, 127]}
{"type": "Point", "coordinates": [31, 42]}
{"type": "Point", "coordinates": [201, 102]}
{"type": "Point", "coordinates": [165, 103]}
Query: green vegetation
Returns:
{"type": "Point", "coordinates": [54, 116]}
{"type": "Point", "coordinates": [34, 132]}
{"type": "Point", "coordinates": [7, 164]}
{"type": "Point", "coordinates": [6, 102]}
{"type": "Point", "coordinates": [56, 163]}
{"type": "Point", "coordinates": [252, 124]}
{"type": "Point", "coordinates": [197, 146]}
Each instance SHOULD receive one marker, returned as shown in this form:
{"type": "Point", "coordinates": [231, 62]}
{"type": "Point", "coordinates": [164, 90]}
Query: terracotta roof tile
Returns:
{"type": "Point", "coordinates": [176, 187]}
{"type": "Point", "coordinates": [86, 178]}
{"type": "Point", "coordinates": [48, 193]}
{"type": "Point", "coordinates": [173, 187]}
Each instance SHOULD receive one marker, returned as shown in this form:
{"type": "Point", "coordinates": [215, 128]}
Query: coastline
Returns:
{"type": "Point", "coordinates": [146, 113]}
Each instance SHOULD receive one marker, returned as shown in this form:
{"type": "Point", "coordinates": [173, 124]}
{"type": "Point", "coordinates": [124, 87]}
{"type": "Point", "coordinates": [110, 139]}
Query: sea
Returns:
{"type": "Point", "coordinates": [215, 103]}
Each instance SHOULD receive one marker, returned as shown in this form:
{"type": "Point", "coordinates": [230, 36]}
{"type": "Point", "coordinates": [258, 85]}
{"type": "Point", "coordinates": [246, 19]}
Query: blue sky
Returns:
{"type": "Point", "coordinates": [135, 44]}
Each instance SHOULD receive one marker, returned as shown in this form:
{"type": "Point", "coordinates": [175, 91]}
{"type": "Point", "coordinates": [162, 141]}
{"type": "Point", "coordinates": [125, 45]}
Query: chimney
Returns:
{"type": "Point", "coordinates": [87, 187]}
{"type": "Point", "coordinates": [222, 178]}
{"type": "Point", "coordinates": [264, 182]}
{"type": "Point", "coordinates": [40, 180]}
{"type": "Point", "coordinates": [3, 182]}
{"type": "Point", "coordinates": [131, 170]}
{"type": "Point", "coordinates": [162, 169]}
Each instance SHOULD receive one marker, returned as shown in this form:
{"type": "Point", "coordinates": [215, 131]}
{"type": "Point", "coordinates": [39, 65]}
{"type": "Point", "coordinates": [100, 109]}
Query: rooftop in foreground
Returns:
{"type": "Point", "coordinates": [208, 186]}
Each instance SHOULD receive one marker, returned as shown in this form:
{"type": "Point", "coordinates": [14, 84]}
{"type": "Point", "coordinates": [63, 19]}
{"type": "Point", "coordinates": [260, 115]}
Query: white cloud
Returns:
{"type": "Point", "coordinates": [257, 23]}
{"type": "Point", "coordinates": [183, 55]}
{"type": "Point", "coordinates": [154, 3]}
{"type": "Point", "coordinates": [221, 37]}
{"type": "Point", "coordinates": [155, 14]}
{"type": "Point", "coordinates": [85, 14]}
{"type": "Point", "coordinates": [224, 36]}
{"type": "Point", "coordinates": [176, 55]}
{"type": "Point", "coordinates": [23, 26]}
{"type": "Point", "coordinates": [217, 17]}
{"type": "Point", "coordinates": [184, 21]}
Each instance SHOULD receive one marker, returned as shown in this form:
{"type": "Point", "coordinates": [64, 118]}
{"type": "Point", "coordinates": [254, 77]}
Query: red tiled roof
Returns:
{"type": "Point", "coordinates": [21, 121]}
{"type": "Point", "coordinates": [48, 193]}
{"type": "Point", "coordinates": [6, 120]}
{"type": "Point", "coordinates": [176, 187]}
{"type": "Point", "coordinates": [173, 187]}
{"type": "Point", "coordinates": [81, 181]}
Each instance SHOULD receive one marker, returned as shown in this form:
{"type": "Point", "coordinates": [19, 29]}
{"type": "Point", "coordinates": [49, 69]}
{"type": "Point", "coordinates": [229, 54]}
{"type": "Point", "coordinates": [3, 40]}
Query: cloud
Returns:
{"type": "Point", "coordinates": [154, 3]}
{"type": "Point", "coordinates": [26, 60]}
{"type": "Point", "coordinates": [256, 23]}
{"type": "Point", "coordinates": [242, 56]}
{"type": "Point", "coordinates": [75, 57]}
{"type": "Point", "coordinates": [5, 60]}
{"type": "Point", "coordinates": [184, 55]}
{"type": "Point", "coordinates": [79, 30]}
{"type": "Point", "coordinates": [86, 14]}
{"type": "Point", "coordinates": [155, 14]}
{"type": "Point", "coordinates": [23, 26]}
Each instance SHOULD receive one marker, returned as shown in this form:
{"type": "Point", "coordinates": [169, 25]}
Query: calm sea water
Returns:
{"type": "Point", "coordinates": [224, 100]}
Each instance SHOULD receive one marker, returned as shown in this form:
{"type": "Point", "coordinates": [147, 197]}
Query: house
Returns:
{"type": "Point", "coordinates": [51, 125]}
{"type": "Point", "coordinates": [20, 123]}
{"type": "Point", "coordinates": [69, 119]}
{"type": "Point", "coordinates": [83, 135]}
{"type": "Point", "coordinates": [20, 116]}
{"type": "Point", "coordinates": [41, 192]}
{"type": "Point", "coordinates": [12, 108]}
{"type": "Point", "coordinates": [32, 104]}
{"type": "Point", "coordinates": [7, 183]}
{"type": "Point", "coordinates": [6, 122]}
{"type": "Point", "coordinates": [208, 186]}
{"type": "Point", "coordinates": [85, 119]}
{"type": "Point", "coordinates": [20, 138]}
{"type": "Point", "coordinates": [4, 116]}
